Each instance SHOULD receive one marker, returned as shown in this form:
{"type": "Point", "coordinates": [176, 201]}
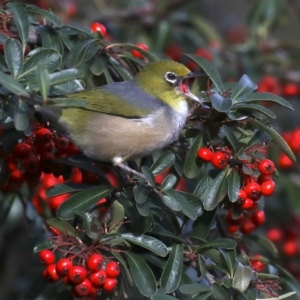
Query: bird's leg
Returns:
{"type": "Point", "coordinates": [118, 162]}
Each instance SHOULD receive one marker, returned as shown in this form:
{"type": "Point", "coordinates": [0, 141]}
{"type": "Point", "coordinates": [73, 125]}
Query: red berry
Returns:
{"type": "Point", "coordinates": [205, 154]}
{"type": "Point", "coordinates": [77, 274]}
{"type": "Point", "coordinates": [256, 264]}
{"type": "Point", "coordinates": [242, 196]}
{"type": "Point", "coordinates": [31, 165]}
{"type": "Point", "coordinates": [174, 51]}
{"type": "Point", "coordinates": [270, 84]}
{"type": "Point", "coordinates": [98, 27]}
{"type": "Point", "coordinates": [290, 90]}
{"type": "Point", "coordinates": [98, 278]}
{"type": "Point", "coordinates": [42, 148]}
{"type": "Point", "coordinates": [50, 273]}
{"type": "Point", "coordinates": [275, 234]}
{"type": "Point", "coordinates": [17, 177]}
{"type": "Point", "coordinates": [262, 178]}
{"type": "Point", "coordinates": [21, 151]}
{"type": "Point", "coordinates": [258, 217]}
{"type": "Point", "coordinates": [247, 227]}
{"type": "Point", "coordinates": [268, 188]}
{"type": "Point", "coordinates": [247, 204]}
{"type": "Point", "coordinates": [43, 136]}
{"type": "Point", "coordinates": [83, 288]}
{"type": "Point", "coordinates": [203, 52]}
{"type": "Point", "coordinates": [138, 54]}
{"type": "Point", "coordinates": [253, 190]}
{"type": "Point", "coordinates": [95, 262]}
{"type": "Point", "coordinates": [71, 9]}
{"type": "Point", "coordinates": [55, 202]}
{"type": "Point", "coordinates": [62, 144]}
{"type": "Point", "coordinates": [11, 162]}
{"type": "Point", "coordinates": [230, 220]}
{"type": "Point", "coordinates": [110, 284]}
{"type": "Point", "coordinates": [232, 228]}
{"type": "Point", "coordinates": [219, 160]}
{"type": "Point", "coordinates": [46, 257]}
{"type": "Point", "coordinates": [290, 248]}
{"type": "Point", "coordinates": [73, 150]}
{"type": "Point", "coordinates": [284, 162]}
{"type": "Point", "coordinates": [112, 269]}
{"type": "Point", "coordinates": [63, 266]}
{"type": "Point", "coordinates": [266, 167]}
{"type": "Point", "coordinates": [47, 162]}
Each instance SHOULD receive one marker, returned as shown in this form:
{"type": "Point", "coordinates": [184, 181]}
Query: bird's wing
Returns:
{"type": "Point", "coordinates": [124, 99]}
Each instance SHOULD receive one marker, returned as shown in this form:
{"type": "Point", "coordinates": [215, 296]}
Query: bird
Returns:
{"type": "Point", "coordinates": [126, 120]}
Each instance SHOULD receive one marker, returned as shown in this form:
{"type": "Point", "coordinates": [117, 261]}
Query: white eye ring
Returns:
{"type": "Point", "coordinates": [171, 77]}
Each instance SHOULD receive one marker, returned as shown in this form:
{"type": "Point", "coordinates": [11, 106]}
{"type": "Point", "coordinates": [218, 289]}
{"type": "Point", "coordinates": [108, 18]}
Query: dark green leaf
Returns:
{"type": "Point", "coordinates": [193, 288]}
{"type": "Point", "coordinates": [221, 104]}
{"type": "Point", "coordinates": [64, 76]}
{"type": "Point", "coordinates": [13, 56]}
{"type": "Point", "coordinates": [265, 97]}
{"type": "Point", "coordinates": [97, 66]}
{"type": "Point", "coordinates": [110, 239]}
{"type": "Point", "coordinates": [165, 161]}
{"type": "Point", "coordinates": [168, 182]}
{"type": "Point", "coordinates": [117, 216]}
{"type": "Point", "coordinates": [12, 85]}
{"type": "Point", "coordinates": [220, 243]}
{"type": "Point", "coordinates": [171, 275]}
{"type": "Point", "coordinates": [79, 29]}
{"type": "Point", "coordinates": [203, 296]}
{"type": "Point", "coordinates": [234, 185]}
{"type": "Point", "coordinates": [49, 57]}
{"type": "Point", "coordinates": [42, 76]}
{"type": "Point", "coordinates": [141, 194]}
{"type": "Point", "coordinates": [120, 69]}
{"type": "Point", "coordinates": [203, 224]}
{"type": "Point", "coordinates": [277, 138]}
{"type": "Point", "coordinates": [44, 245]}
{"type": "Point", "coordinates": [142, 274]}
{"type": "Point", "coordinates": [255, 107]}
{"type": "Point", "coordinates": [168, 201]}
{"type": "Point", "coordinates": [203, 185]}
{"type": "Point", "coordinates": [244, 86]}
{"type": "Point", "coordinates": [230, 258]}
{"type": "Point", "coordinates": [194, 201]}
{"type": "Point", "coordinates": [20, 19]}
{"type": "Point", "coordinates": [10, 136]}
{"type": "Point", "coordinates": [5, 206]}
{"type": "Point", "coordinates": [82, 201]}
{"type": "Point", "coordinates": [35, 289]}
{"type": "Point", "coordinates": [162, 297]}
{"type": "Point", "coordinates": [63, 226]}
{"type": "Point", "coordinates": [148, 175]}
{"type": "Point", "coordinates": [21, 120]}
{"type": "Point", "coordinates": [147, 242]}
{"type": "Point", "coordinates": [87, 221]}
{"type": "Point", "coordinates": [46, 14]}
{"type": "Point", "coordinates": [124, 267]}
{"type": "Point", "coordinates": [242, 277]}
{"type": "Point", "coordinates": [64, 188]}
{"type": "Point", "coordinates": [219, 292]}
{"type": "Point", "coordinates": [230, 137]}
{"type": "Point", "coordinates": [77, 53]}
{"type": "Point", "coordinates": [150, 56]}
{"type": "Point", "coordinates": [191, 169]}
{"type": "Point", "coordinates": [187, 208]}
{"type": "Point", "coordinates": [50, 38]}
{"type": "Point", "coordinates": [213, 195]}
{"type": "Point", "coordinates": [265, 243]}
{"type": "Point", "coordinates": [160, 231]}
{"type": "Point", "coordinates": [210, 70]}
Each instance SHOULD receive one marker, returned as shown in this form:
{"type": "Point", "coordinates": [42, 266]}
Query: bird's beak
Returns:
{"type": "Point", "coordinates": [185, 90]}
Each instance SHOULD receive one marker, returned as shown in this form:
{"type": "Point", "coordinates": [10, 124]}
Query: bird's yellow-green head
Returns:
{"type": "Point", "coordinates": [164, 79]}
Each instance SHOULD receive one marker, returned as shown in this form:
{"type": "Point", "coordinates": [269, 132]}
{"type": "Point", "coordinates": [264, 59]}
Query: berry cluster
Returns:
{"type": "Point", "coordinates": [86, 279]}
{"type": "Point", "coordinates": [244, 213]}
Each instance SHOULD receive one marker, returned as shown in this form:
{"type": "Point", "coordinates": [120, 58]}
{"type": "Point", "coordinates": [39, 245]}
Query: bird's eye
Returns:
{"type": "Point", "coordinates": [171, 77]}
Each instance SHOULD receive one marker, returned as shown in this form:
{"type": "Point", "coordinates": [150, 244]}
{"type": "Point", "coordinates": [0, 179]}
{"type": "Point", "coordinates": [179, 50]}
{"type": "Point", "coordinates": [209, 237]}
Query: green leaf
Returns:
{"type": "Point", "coordinates": [82, 201]}
{"type": "Point", "coordinates": [210, 70]}
{"type": "Point", "coordinates": [46, 14]}
{"type": "Point", "coordinates": [168, 182]}
{"type": "Point", "coordinates": [162, 297]}
{"type": "Point", "coordinates": [65, 76]}
{"type": "Point", "coordinates": [193, 288]}
{"type": "Point", "coordinates": [219, 243]}
{"type": "Point", "coordinates": [265, 97]}
{"type": "Point", "coordinates": [213, 195]}
{"type": "Point", "coordinates": [142, 274]}
{"type": "Point", "coordinates": [79, 29]}
{"type": "Point", "coordinates": [231, 137]}
{"type": "Point", "coordinates": [21, 120]}
{"type": "Point", "coordinates": [255, 107]}
{"type": "Point", "coordinates": [141, 194]}
{"type": "Point", "coordinates": [160, 231]}
{"type": "Point", "coordinates": [77, 53]}
{"type": "Point", "coordinates": [191, 166]}
{"type": "Point", "coordinates": [120, 69]}
{"type": "Point", "coordinates": [97, 66]}
{"type": "Point", "coordinates": [242, 277]}
{"type": "Point", "coordinates": [165, 161]}
{"type": "Point", "coordinates": [64, 188]}
{"type": "Point", "coordinates": [277, 138]}
{"type": "Point", "coordinates": [203, 224]}
{"type": "Point", "coordinates": [234, 185]}
{"type": "Point", "coordinates": [13, 56]}
{"type": "Point", "coordinates": [168, 201]}
{"type": "Point", "coordinates": [44, 245]}
{"type": "Point", "coordinates": [63, 226]}
{"type": "Point", "coordinates": [117, 216]}
{"type": "Point", "coordinates": [220, 103]}
{"type": "Point", "coordinates": [194, 201]}
{"type": "Point", "coordinates": [5, 206]}
{"type": "Point", "coordinates": [49, 57]}
{"type": "Point", "coordinates": [219, 292]}
{"type": "Point", "coordinates": [265, 243]}
{"type": "Point", "coordinates": [230, 258]}
{"type": "Point", "coordinates": [171, 274]}
{"type": "Point", "coordinates": [203, 184]}
{"type": "Point", "coordinates": [147, 242]}
{"type": "Point", "coordinates": [150, 56]}
{"type": "Point", "coordinates": [42, 76]}
{"type": "Point", "coordinates": [13, 85]}
{"type": "Point", "coordinates": [203, 296]}
{"type": "Point", "coordinates": [148, 175]}
{"type": "Point", "coordinates": [50, 38]}
{"type": "Point", "coordinates": [124, 267]}
{"type": "Point", "coordinates": [20, 18]}
{"type": "Point", "coordinates": [244, 86]}
{"type": "Point", "coordinates": [188, 209]}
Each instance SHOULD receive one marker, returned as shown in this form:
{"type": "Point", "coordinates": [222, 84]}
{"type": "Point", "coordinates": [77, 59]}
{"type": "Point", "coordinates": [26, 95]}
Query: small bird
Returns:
{"type": "Point", "coordinates": [130, 119]}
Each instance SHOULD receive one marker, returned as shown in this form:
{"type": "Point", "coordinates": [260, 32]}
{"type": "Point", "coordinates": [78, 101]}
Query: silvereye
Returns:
{"type": "Point", "coordinates": [130, 119]}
